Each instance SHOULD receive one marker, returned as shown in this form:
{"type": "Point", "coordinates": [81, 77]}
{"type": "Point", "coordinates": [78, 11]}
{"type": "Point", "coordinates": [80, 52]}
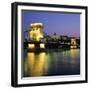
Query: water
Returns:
{"type": "Point", "coordinates": [52, 63]}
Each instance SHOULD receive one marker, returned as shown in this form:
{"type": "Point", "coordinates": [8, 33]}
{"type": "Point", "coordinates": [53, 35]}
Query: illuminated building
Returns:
{"type": "Point", "coordinates": [36, 31]}
{"type": "Point", "coordinates": [73, 43]}
{"type": "Point", "coordinates": [36, 36]}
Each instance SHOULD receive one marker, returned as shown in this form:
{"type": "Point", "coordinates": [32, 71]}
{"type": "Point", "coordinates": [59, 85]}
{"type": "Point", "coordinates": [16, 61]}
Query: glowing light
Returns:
{"type": "Point", "coordinates": [73, 47]}
{"type": "Point", "coordinates": [36, 64]}
{"type": "Point", "coordinates": [35, 24]}
{"type": "Point", "coordinates": [42, 45]}
{"type": "Point", "coordinates": [74, 53]}
{"type": "Point", "coordinates": [30, 61]}
{"type": "Point", "coordinates": [31, 46]}
{"type": "Point", "coordinates": [36, 32]}
{"type": "Point", "coordinates": [73, 43]}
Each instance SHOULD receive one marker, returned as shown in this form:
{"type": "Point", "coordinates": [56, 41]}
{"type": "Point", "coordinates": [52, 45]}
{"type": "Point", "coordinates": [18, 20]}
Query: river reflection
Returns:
{"type": "Point", "coordinates": [52, 63]}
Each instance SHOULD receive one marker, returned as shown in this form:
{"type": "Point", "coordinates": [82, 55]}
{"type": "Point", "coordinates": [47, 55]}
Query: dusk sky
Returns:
{"type": "Point", "coordinates": [58, 22]}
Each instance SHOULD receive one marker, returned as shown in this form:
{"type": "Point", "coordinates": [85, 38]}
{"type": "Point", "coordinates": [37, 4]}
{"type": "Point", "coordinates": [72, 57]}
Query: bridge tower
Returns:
{"type": "Point", "coordinates": [36, 32]}
{"type": "Point", "coordinates": [35, 36]}
{"type": "Point", "coordinates": [73, 43]}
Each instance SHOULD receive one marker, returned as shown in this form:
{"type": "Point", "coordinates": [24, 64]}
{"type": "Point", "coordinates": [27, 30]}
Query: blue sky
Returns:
{"type": "Point", "coordinates": [58, 22]}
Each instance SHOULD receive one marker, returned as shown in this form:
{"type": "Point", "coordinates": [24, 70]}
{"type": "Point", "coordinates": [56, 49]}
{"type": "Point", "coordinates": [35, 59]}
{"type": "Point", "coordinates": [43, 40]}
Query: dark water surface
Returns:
{"type": "Point", "coordinates": [50, 63]}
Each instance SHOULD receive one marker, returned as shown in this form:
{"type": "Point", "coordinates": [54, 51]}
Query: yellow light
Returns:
{"type": "Point", "coordinates": [36, 32]}
{"type": "Point", "coordinates": [73, 47]}
{"type": "Point", "coordinates": [42, 45]}
{"type": "Point", "coordinates": [37, 64]}
{"type": "Point", "coordinates": [31, 46]}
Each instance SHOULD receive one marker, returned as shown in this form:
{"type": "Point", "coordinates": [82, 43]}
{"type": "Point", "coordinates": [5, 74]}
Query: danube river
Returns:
{"type": "Point", "coordinates": [52, 63]}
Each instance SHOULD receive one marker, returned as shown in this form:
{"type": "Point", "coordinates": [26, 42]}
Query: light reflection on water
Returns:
{"type": "Point", "coordinates": [52, 63]}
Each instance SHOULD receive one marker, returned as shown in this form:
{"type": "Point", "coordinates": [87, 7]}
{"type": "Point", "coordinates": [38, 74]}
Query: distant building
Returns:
{"type": "Point", "coordinates": [55, 36]}
{"type": "Point", "coordinates": [73, 43]}
{"type": "Point", "coordinates": [64, 37]}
